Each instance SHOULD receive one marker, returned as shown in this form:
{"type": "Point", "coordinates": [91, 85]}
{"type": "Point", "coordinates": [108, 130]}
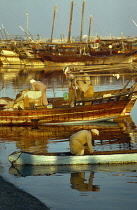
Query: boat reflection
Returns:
{"type": "Point", "coordinates": [82, 177]}
{"type": "Point", "coordinates": [41, 140]}
{"type": "Point", "coordinates": [101, 77]}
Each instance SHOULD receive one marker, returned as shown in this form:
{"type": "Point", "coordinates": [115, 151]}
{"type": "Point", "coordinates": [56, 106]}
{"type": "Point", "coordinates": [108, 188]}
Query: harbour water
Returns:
{"type": "Point", "coordinates": [79, 187]}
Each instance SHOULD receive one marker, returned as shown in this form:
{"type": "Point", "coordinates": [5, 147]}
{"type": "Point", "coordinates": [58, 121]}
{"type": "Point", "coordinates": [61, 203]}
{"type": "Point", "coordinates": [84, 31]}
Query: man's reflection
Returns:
{"type": "Point", "coordinates": [80, 183]}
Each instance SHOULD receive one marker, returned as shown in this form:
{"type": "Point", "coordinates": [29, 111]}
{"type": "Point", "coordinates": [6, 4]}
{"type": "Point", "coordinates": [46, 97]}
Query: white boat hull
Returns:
{"type": "Point", "coordinates": [22, 158]}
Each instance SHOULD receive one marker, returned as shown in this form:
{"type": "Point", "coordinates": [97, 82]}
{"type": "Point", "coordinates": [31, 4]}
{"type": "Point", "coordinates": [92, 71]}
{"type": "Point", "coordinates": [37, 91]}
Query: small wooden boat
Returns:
{"type": "Point", "coordinates": [104, 105]}
{"type": "Point", "coordinates": [98, 158]}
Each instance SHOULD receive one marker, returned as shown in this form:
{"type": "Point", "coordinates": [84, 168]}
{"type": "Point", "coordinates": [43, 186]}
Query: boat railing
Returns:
{"type": "Point", "coordinates": [115, 97]}
{"type": "Point", "coordinates": [96, 99]}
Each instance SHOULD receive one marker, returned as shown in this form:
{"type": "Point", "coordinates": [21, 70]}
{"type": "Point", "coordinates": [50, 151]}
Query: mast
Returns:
{"type": "Point", "coordinates": [27, 34]}
{"type": "Point", "coordinates": [90, 22]}
{"type": "Point", "coordinates": [53, 22]}
{"type": "Point", "coordinates": [1, 33]}
{"type": "Point", "coordinates": [82, 20]}
{"type": "Point", "coordinates": [27, 26]}
{"type": "Point", "coordinates": [4, 31]}
{"type": "Point", "coordinates": [70, 22]}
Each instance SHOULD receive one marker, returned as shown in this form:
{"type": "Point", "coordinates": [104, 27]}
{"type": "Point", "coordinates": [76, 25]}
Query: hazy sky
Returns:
{"type": "Point", "coordinates": [109, 17]}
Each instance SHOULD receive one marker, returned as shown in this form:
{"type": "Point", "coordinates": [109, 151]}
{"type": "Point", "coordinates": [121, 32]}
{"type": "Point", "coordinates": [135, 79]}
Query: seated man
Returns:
{"type": "Point", "coordinates": [79, 139]}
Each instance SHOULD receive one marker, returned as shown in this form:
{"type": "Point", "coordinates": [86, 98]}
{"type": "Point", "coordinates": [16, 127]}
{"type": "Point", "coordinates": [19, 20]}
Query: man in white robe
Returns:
{"type": "Point", "coordinates": [79, 139]}
{"type": "Point", "coordinates": [37, 85]}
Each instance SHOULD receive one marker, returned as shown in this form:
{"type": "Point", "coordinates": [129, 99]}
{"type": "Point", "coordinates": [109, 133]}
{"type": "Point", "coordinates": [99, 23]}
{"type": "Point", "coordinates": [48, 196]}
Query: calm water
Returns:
{"type": "Point", "coordinates": [81, 187]}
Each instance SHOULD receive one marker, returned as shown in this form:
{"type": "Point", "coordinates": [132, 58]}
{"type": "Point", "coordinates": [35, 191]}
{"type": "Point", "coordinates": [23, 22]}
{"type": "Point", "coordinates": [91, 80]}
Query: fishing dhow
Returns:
{"type": "Point", "coordinates": [79, 105]}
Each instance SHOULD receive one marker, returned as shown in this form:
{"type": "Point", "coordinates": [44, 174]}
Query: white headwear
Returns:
{"type": "Point", "coordinates": [32, 81]}
{"type": "Point", "coordinates": [66, 70]}
{"type": "Point", "coordinates": [95, 131]}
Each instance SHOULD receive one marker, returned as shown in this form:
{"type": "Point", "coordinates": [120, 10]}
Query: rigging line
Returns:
{"type": "Point", "coordinates": [58, 23]}
{"type": "Point", "coordinates": [78, 8]}
{"type": "Point", "coordinates": [29, 34]}
{"type": "Point", "coordinates": [87, 19]}
{"type": "Point", "coordinates": [6, 32]}
{"type": "Point", "coordinates": [94, 28]}
{"type": "Point", "coordinates": [2, 87]}
{"type": "Point", "coordinates": [87, 11]}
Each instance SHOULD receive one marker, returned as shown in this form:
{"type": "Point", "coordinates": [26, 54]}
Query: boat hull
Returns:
{"type": "Point", "coordinates": [105, 105]}
{"type": "Point", "coordinates": [78, 114]}
{"type": "Point", "coordinates": [22, 158]}
{"type": "Point", "coordinates": [53, 59]}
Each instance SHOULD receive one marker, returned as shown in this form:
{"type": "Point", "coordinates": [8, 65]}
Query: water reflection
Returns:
{"type": "Point", "coordinates": [83, 178]}
{"type": "Point", "coordinates": [45, 183]}
{"type": "Point", "coordinates": [15, 79]}
{"type": "Point", "coordinates": [44, 139]}
{"type": "Point", "coordinates": [37, 170]}
{"type": "Point", "coordinates": [79, 180]}
{"type": "Point", "coordinates": [81, 183]}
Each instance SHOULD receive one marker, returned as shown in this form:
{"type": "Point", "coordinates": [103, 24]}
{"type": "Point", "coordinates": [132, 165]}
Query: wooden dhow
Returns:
{"type": "Point", "coordinates": [73, 54]}
{"type": "Point", "coordinates": [104, 105]}
{"type": "Point", "coordinates": [84, 52]}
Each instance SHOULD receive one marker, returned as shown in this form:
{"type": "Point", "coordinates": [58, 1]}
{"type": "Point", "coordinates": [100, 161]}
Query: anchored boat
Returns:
{"type": "Point", "coordinates": [107, 157]}
{"type": "Point", "coordinates": [104, 105]}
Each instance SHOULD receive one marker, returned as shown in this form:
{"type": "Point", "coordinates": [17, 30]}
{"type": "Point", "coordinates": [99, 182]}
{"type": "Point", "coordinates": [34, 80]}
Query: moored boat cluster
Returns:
{"type": "Point", "coordinates": [46, 54]}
